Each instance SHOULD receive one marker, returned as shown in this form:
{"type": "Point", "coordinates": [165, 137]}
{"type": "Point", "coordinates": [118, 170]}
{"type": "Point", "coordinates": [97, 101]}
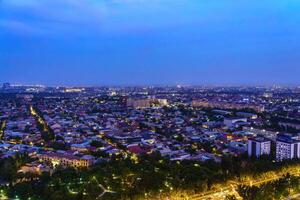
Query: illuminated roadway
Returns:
{"type": "Point", "coordinates": [231, 190]}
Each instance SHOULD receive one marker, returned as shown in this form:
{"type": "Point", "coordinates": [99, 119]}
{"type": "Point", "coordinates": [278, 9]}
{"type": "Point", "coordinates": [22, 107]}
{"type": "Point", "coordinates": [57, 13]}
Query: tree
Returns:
{"type": "Point", "coordinates": [248, 192]}
{"type": "Point", "coordinates": [230, 197]}
{"type": "Point", "coordinates": [96, 144]}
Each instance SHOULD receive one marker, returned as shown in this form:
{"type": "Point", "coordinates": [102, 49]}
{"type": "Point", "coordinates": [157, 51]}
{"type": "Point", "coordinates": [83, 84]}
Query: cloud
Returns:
{"type": "Point", "coordinates": [47, 16]}
{"type": "Point", "coordinates": [90, 16]}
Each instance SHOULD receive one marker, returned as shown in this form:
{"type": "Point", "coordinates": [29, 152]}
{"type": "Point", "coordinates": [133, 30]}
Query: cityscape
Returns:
{"type": "Point", "coordinates": [149, 100]}
{"type": "Point", "coordinates": [172, 142]}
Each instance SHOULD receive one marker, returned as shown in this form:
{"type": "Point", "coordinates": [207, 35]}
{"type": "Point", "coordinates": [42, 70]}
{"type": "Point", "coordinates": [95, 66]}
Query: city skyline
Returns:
{"type": "Point", "coordinates": [135, 42]}
{"type": "Point", "coordinates": [18, 84]}
{"type": "Point", "coordinates": [149, 143]}
{"type": "Point", "coordinates": [149, 99]}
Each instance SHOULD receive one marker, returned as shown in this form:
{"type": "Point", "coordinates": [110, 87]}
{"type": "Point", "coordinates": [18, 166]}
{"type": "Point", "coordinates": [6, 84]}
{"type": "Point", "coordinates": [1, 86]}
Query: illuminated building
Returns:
{"type": "Point", "coordinates": [259, 146]}
{"type": "Point", "coordinates": [74, 90]}
{"type": "Point", "coordinates": [58, 159]}
{"type": "Point", "coordinates": [287, 147]}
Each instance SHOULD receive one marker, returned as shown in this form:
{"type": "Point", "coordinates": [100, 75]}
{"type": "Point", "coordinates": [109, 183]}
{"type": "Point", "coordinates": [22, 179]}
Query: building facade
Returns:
{"type": "Point", "coordinates": [287, 147]}
{"type": "Point", "coordinates": [146, 103]}
{"type": "Point", "coordinates": [57, 159]}
{"type": "Point", "coordinates": [259, 146]}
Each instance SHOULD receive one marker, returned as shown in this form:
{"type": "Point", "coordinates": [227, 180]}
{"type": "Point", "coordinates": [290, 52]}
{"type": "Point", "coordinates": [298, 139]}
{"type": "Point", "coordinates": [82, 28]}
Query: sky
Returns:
{"type": "Point", "coordinates": [150, 42]}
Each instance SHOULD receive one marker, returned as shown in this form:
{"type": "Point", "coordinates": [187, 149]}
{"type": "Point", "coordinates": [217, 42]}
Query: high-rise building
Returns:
{"type": "Point", "coordinates": [259, 146]}
{"type": "Point", "coordinates": [287, 147]}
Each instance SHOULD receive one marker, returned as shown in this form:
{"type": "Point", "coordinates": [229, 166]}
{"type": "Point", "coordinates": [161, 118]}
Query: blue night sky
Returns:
{"type": "Point", "coordinates": [134, 42]}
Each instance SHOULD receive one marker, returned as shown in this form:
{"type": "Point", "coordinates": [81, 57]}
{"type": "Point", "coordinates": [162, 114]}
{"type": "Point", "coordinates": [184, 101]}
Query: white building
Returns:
{"type": "Point", "coordinates": [259, 146]}
{"type": "Point", "coordinates": [229, 122]}
{"type": "Point", "coordinates": [287, 148]}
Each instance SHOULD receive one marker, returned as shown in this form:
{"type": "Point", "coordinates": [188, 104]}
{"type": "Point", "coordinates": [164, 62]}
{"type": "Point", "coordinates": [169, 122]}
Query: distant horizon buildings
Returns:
{"type": "Point", "coordinates": [227, 105]}
{"type": "Point", "coordinates": [23, 89]}
{"type": "Point", "coordinates": [5, 86]}
{"type": "Point", "coordinates": [267, 94]}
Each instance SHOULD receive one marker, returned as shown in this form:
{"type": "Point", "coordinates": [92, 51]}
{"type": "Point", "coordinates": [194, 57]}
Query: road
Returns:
{"type": "Point", "coordinates": [231, 190]}
{"type": "Point", "coordinates": [293, 197]}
